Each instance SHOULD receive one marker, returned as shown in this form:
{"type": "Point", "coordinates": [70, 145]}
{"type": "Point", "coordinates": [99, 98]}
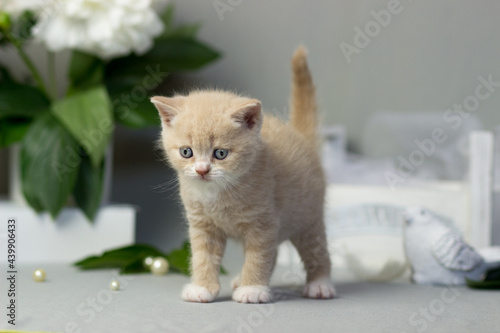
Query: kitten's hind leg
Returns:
{"type": "Point", "coordinates": [313, 250]}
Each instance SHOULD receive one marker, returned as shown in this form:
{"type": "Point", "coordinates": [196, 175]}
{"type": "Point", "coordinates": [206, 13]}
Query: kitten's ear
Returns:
{"type": "Point", "coordinates": [168, 108]}
{"type": "Point", "coordinates": [249, 115]}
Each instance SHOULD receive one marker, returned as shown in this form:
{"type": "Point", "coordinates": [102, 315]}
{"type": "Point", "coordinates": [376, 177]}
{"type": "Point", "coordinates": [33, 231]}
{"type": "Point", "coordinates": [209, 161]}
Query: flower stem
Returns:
{"type": "Point", "coordinates": [28, 63]}
{"type": "Point", "coordinates": [51, 58]}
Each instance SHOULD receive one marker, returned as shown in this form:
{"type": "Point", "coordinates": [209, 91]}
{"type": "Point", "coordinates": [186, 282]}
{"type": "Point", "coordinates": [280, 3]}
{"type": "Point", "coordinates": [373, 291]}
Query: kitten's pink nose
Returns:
{"type": "Point", "coordinates": [202, 171]}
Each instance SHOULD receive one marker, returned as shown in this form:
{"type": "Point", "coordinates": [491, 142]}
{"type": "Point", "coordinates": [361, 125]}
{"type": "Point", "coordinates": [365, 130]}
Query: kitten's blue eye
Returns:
{"type": "Point", "coordinates": [186, 152]}
{"type": "Point", "coordinates": [220, 154]}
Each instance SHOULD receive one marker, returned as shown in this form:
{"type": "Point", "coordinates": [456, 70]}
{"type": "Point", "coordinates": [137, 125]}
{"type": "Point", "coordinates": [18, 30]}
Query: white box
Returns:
{"type": "Point", "coordinates": [67, 239]}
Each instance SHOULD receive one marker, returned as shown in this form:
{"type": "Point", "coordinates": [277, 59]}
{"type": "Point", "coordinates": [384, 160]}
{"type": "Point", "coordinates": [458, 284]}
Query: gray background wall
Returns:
{"type": "Point", "coordinates": [427, 57]}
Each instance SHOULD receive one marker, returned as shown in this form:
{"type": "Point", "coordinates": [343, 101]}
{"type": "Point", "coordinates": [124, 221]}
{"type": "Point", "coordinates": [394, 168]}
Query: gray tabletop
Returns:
{"type": "Point", "coordinates": [81, 301]}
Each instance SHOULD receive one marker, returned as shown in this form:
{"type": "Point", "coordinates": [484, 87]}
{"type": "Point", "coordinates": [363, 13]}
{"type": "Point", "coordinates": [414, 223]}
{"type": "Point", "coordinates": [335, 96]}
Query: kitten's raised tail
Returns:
{"type": "Point", "coordinates": [303, 105]}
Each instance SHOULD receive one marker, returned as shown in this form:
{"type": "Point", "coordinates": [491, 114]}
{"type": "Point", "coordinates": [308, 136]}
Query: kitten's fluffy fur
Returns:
{"type": "Point", "coordinates": [268, 189]}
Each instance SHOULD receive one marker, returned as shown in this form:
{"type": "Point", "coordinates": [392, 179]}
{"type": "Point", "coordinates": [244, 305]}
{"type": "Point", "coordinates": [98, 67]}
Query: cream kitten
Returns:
{"type": "Point", "coordinates": [249, 176]}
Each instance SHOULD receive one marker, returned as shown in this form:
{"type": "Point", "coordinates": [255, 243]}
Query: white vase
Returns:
{"type": "Point", "coordinates": [70, 237]}
{"type": "Point", "coordinates": [15, 189]}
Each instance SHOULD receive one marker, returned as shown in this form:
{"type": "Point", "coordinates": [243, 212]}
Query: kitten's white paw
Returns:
{"type": "Point", "coordinates": [253, 294]}
{"type": "Point", "coordinates": [321, 288]}
{"type": "Point", "coordinates": [194, 293]}
{"type": "Point", "coordinates": [235, 283]}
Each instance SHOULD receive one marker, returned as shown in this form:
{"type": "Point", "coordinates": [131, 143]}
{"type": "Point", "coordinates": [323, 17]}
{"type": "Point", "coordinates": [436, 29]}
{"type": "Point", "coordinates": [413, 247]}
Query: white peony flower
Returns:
{"type": "Point", "coordinates": [17, 7]}
{"type": "Point", "coordinates": [106, 28]}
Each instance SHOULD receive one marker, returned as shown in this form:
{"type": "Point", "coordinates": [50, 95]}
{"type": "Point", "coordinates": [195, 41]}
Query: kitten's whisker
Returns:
{"type": "Point", "coordinates": [168, 182]}
{"type": "Point", "coordinates": [167, 186]}
{"type": "Point", "coordinates": [227, 183]}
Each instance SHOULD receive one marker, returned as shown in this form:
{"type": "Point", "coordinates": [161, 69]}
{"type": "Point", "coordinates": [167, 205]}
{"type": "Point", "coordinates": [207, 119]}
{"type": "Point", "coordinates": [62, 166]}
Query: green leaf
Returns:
{"type": "Point", "coordinates": [135, 113]}
{"type": "Point", "coordinates": [129, 259]}
{"type": "Point", "coordinates": [88, 187]}
{"type": "Point", "coordinates": [22, 29]}
{"type": "Point", "coordinates": [87, 116]}
{"type": "Point", "coordinates": [13, 130]}
{"type": "Point", "coordinates": [134, 266]}
{"type": "Point", "coordinates": [483, 284]}
{"type": "Point", "coordinates": [168, 16]}
{"type": "Point", "coordinates": [5, 21]}
{"type": "Point", "coordinates": [168, 55]}
{"type": "Point", "coordinates": [180, 54]}
{"type": "Point", "coordinates": [5, 75]}
{"type": "Point", "coordinates": [19, 100]}
{"type": "Point", "coordinates": [179, 259]}
{"type": "Point", "coordinates": [490, 281]}
{"type": "Point", "coordinates": [98, 262]}
{"type": "Point", "coordinates": [188, 30]}
{"type": "Point", "coordinates": [493, 274]}
{"type": "Point", "coordinates": [144, 115]}
{"type": "Point", "coordinates": [118, 257]}
{"type": "Point", "coordinates": [144, 249]}
{"type": "Point", "coordinates": [85, 71]}
{"type": "Point", "coordinates": [49, 164]}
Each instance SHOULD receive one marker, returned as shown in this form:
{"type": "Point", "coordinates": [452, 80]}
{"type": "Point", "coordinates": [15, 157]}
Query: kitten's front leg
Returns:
{"type": "Point", "coordinates": [207, 248]}
{"type": "Point", "coordinates": [257, 269]}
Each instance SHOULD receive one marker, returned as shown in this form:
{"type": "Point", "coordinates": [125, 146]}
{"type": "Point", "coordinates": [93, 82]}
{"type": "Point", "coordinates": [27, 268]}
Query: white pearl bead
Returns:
{"type": "Point", "coordinates": [147, 262]}
{"type": "Point", "coordinates": [39, 275]}
{"type": "Point", "coordinates": [159, 266]}
{"type": "Point", "coordinates": [114, 285]}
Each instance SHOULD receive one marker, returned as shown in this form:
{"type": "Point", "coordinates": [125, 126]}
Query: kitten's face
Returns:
{"type": "Point", "coordinates": [210, 136]}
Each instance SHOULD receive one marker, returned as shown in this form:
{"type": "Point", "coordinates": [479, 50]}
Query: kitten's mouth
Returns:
{"type": "Point", "coordinates": [204, 178]}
